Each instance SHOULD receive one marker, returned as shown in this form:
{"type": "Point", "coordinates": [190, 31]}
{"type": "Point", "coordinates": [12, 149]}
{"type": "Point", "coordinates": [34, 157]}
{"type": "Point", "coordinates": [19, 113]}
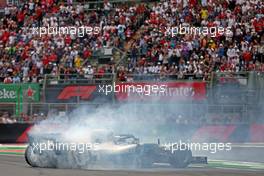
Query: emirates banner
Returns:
{"type": "Point", "coordinates": [175, 91]}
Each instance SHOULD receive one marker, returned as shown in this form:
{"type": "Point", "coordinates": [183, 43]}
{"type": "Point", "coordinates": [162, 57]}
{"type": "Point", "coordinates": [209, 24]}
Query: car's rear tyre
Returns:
{"type": "Point", "coordinates": [144, 162]}
{"type": "Point", "coordinates": [181, 159]}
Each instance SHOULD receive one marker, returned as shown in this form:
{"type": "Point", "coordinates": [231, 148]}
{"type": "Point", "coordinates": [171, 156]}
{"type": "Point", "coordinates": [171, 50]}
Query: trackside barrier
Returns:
{"type": "Point", "coordinates": [17, 133]}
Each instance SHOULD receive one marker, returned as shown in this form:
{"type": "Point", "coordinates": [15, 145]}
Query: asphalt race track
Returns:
{"type": "Point", "coordinates": [15, 165]}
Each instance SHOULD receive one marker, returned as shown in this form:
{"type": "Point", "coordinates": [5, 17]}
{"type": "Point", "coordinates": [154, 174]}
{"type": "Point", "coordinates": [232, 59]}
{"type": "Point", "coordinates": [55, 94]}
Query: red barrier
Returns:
{"type": "Point", "coordinates": [17, 133]}
{"type": "Point", "coordinates": [23, 138]}
{"type": "Point", "coordinates": [10, 133]}
{"type": "Point", "coordinates": [213, 133]}
{"type": "Point", "coordinates": [257, 133]}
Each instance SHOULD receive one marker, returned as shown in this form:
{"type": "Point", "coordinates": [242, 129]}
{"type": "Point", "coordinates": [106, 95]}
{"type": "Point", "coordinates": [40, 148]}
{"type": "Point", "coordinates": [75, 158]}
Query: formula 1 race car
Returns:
{"type": "Point", "coordinates": [117, 151]}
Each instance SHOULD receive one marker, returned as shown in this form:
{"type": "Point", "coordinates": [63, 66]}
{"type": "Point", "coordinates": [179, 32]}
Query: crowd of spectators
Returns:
{"type": "Point", "coordinates": [157, 52]}
{"type": "Point", "coordinates": [7, 118]}
{"type": "Point", "coordinates": [27, 57]}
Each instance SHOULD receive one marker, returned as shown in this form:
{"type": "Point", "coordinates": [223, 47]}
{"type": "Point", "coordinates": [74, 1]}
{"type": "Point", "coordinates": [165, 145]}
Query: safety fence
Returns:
{"type": "Point", "coordinates": [184, 113]}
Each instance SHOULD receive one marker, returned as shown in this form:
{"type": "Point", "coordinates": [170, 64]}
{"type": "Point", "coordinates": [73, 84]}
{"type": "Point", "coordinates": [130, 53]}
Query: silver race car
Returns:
{"type": "Point", "coordinates": [108, 151]}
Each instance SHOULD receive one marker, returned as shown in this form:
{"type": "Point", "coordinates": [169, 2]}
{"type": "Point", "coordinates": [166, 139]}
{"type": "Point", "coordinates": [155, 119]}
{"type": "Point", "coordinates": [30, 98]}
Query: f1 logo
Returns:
{"type": "Point", "coordinates": [84, 92]}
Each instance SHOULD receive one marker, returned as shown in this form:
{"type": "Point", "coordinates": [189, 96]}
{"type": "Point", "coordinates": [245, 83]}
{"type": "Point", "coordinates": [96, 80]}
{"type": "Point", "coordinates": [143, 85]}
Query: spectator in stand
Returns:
{"type": "Point", "coordinates": [6, 118]}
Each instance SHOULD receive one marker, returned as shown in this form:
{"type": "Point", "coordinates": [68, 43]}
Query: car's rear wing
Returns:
{"type": "Point", "coordinates": [199, 160]}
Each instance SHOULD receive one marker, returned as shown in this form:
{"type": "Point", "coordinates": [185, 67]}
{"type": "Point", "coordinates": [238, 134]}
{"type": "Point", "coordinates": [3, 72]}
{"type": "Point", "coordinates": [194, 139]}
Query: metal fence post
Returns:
{"type": "Point", "coordinates": [31, 109]}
